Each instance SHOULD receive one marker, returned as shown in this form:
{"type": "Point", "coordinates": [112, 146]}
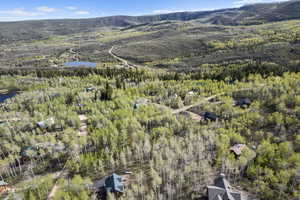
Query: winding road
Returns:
{"type": "Point", "coordinates": [63, 173]}
{"type": "Point", "coordinates": [185, 108]}
{"type": "Point", "coordinates": [125, 62]}
{"type": "Point", "coordinates": [198, 117]}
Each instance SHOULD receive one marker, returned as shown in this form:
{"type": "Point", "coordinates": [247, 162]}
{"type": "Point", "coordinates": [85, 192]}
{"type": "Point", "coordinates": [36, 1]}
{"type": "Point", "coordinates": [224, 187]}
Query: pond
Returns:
{"type": "Point", "coordinates": [80, 64]}
{"type": "Point", "coordinates": [4, 97]}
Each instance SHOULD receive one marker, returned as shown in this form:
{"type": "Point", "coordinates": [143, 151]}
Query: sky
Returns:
{"type": "Point", "coordinates": [15, 10]}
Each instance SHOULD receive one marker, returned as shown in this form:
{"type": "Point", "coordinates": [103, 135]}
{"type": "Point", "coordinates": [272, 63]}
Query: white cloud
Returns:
{"type": "Point", "coordinates": [188, 10]}
{"type": "Point", "coordinates": [82, 12]}
{"type": "Point", "coordinates": [20, 12]}
{"type": "Point", "coordinates": [71, 8]}
{"type": "Point", "coordinates": [46, 9]}
{"type": "Point", "coordinates": [166, 11]}
{"type": "Point", "coordinates": [247, 2]}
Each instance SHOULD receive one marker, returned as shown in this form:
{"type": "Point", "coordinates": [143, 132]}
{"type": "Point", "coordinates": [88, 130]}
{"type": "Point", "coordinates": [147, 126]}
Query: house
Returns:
{"type": "Point", "coordinates": [114, 183]}
{"type": "Point", "coordinates": [111, 184]}
{"type": "Point", "coordinates": [29, 152]}
{"type": "Point", "coordinates": [80, 105]}
{"type": "Point", "coordinates": [238, 149]}
{"type": "Point", "coordinates": [90, 89]}
{"type": "Point", "coordinates": [210, 116]}
{"type": "Point", "coordinates": [136, 106]}
{"type": "Point", "coordinates": [139, 103]}
{"type": "Point", "coordinates": [3, 187]}
{"type": "Point", "coordinates": [244, 103]}
{"type": "Point", "coordinates": [81, 110]}
{"type": "Point", "coordinates": [54, 96]}
{"type": "Point", "coordinates": [46, 123]}
{"type": "Point", "coordinates": [191, 93]}
{"type": "Point", "coordinates": [222, 190]}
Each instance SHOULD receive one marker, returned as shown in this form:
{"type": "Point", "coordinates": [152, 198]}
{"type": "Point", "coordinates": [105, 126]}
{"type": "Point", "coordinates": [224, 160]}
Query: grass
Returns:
{"type": "Point", "coordinates": [114, 36]}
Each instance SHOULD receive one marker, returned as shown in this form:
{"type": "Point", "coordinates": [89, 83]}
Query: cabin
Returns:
{"type": "Point", "coordinates": [244, 103]}
{"type": "Point", "coordinates": [238, 149]}
{"type": "Point", "coordinates": [80, 105]}
{"type": "Point", "coordinates": [90, 89]}
{"type": "Point", "coordinates": [29, 152]}
{"type": "Point", "coordinates": [81, 110]}
{"type": "Point", "coordinates": [191, 93]}
{"type": "Point", "coordinates": [111, 184]}
{"type": "Point", "coordinates": [210, 116]}
{"type": "Point", "coordinates": [46, 123]}
{"type": "Point", "coordinates": [139, 103]}
{"type": "Point", "coordinates": [3, 187]}
{"type": "Point", "coordinates": [136, 106]}
{"type": "Point", "coordinates": [54, 96]}
{"type": "Point", "coordinates": [222, 190]}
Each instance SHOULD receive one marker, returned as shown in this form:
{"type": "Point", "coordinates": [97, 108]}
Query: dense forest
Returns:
{"type": "Point", "coordinates": [174, 101]}
{"type": "Point", "coordinates": [132, 125]}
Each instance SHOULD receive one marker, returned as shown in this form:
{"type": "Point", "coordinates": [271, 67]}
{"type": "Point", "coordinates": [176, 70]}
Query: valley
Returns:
{"type": "Point", "coordinates": [152, 107]}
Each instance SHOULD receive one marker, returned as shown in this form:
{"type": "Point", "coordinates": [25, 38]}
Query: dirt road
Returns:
{"type": "Point", "coordinates": [83, 126]}
{"type": "Point", "coordinates": [185, 108]}
{"type": "Point", "coordinates": [125, 62]}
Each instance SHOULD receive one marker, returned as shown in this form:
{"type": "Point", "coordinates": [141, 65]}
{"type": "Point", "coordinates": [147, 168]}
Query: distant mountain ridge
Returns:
{"type": "Point", "coordinates": [246, 15]}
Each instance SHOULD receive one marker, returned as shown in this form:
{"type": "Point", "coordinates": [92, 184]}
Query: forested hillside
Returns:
{"type": "Point", "coordinates": [170, 102]}
{"type": "Point", "coordinates": [246, 15]}
{"type": "Point", "coordinates": [132, 126]}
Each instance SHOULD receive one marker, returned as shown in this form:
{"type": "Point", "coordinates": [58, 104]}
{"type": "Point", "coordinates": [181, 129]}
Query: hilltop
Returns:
{"type": "Point", "coordinates": [246, 15]}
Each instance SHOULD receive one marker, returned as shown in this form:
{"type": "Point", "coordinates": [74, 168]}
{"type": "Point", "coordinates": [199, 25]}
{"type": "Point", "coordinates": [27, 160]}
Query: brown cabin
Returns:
{"type": "Point", "coordinates": [3, 187]}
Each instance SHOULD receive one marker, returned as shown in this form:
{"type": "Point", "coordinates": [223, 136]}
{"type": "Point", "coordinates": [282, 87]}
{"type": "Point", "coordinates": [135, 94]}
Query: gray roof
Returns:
{"type": "Point", "coordinates": [238, 149]}
{"type": "Point", "coordinates": [113, 183]}
{"type": "Point", "coordinates": [47, 123]}
{"type": "Point", "coordinates": [222, 190]}
{"type": "Point", "coordinates": [2, 183]}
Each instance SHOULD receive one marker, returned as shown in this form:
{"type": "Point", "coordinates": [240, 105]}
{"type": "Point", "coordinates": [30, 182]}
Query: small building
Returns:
{"type": "Point", "coordinates": [114, 183]}
{"type": "Point", "coordinates": [136, 106]}
{"type": "Point", "coordinates": [222, 190]}
{"type": "Point", "coordinates": [210, 116]}
{"type": "Point", "coordinates": [111, 184]}
{"type": "Point", "coordinates": [238, 149]}
{"type": "Point", "coordinates": [4, 187]}
{"type": "Point", "coordinates": [82, 110]}
{"type": "Point", "coordinates": [46, 124]}
{"type": "Point", "coordinates": [244, 103]}
{"type": "Point", "coordinates": [191, 93]}
{"type": "Point", "coordinates": [80, 105]}
{"type": "Point", "coordinates": [29, 152]}
{"type": "Point", "coordinates": [90, 89]}
{"type": "Point", "coordinates": [54, 96]}
{"type": "Point", "coordinates": [140, 102]}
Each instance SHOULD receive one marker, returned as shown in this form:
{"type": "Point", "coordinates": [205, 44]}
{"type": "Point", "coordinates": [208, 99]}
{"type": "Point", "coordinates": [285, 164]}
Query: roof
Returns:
{"type": "Point", "coordinates": [244, 102]}
{"type": "Point", "coordinates": [2, 183]}
{"type": "Point", "coordinates": [210, 116]}
{"type": "Point", "coordinates": [222, 190]}
{"type": "Point", "coordinates": [90, 89]}
{"type": "Point", "coordinates": [46, 123]}
{"type": "Point", "coordinates": [55, 95]}
{"type": "Point", "coordinates": [29, 151]}
{"type": "Point", "coordinates": [114, 183]}
{"type": "Point", "coordinates": [238, 149]}
{"type": "Point", "coordinates": [136, 106]}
